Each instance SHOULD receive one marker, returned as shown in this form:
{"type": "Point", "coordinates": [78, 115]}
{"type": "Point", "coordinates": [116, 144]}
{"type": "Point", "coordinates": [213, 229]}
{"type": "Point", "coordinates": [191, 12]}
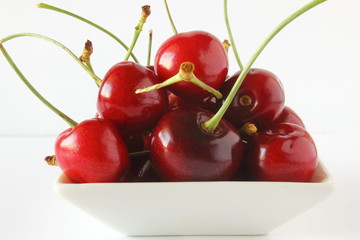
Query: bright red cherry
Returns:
{"type": "Point", "coordinates": [181, 150]}
{"type": "Point", "coordinates": [285, 152]}
{"type": "Point", "coordinates": [289, 116]}
{"type": "Point", "coordinates": [118, 101]}
{"type": "Point", "coordinates": [93, 151]}
{"type": "Point", "coordinates": [202, 49]}
{"type": "Point", "coordinates": [259, 100]}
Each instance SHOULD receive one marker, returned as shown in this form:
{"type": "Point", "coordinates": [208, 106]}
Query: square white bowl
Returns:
{"type": "Point", "coordinates": [196, 208]}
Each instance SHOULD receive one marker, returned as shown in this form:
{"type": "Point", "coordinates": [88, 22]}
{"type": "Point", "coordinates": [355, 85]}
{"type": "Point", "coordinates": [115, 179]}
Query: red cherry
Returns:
{"type": "Point", "coordinates": [285, 152]}
{"type": "Point", "coordinates": [181, 150]}
{"type": "Point", "coordinates": [118, 101]}
{"type": "Point", "coordinates": [289, 116]}
{"type": "Point", "coordinates": [92, 152]}
{"type": "Point", "coordinates": [202, 49]}
{"type": "Point", "coordinates": [259, 100]}
{"type": "Point", "coordinates": [208, 103]}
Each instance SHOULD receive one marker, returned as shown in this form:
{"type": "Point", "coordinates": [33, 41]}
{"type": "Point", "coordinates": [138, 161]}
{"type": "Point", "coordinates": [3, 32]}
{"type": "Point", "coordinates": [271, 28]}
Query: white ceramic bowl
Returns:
{"type": "Point", "coordinates": [196, 208]}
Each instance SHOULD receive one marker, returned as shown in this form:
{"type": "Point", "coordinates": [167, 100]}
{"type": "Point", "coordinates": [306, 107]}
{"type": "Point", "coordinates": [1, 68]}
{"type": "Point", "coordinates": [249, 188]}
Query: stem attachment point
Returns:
{"type": "Point", "coordinates": [186, 73]}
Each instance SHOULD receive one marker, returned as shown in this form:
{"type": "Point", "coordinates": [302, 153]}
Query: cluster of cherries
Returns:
{"type": "Point", "coordinates": [186, 119]}
{"type": "Point", "coordinates": [259, 139]}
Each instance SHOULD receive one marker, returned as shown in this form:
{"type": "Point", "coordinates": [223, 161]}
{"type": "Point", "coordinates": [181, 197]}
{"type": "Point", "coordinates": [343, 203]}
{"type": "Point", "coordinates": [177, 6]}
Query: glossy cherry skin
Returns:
{"type": "Point", "coordinates": [288, 115]}
{"type": "Point", "coordinates": [92, 152]}
{"type": "Point", "coordinates": [182, 151]}
{"type": "Point", "coordinates": [204, 50]}
{"type": "Point", "coordinates": [208, 103]}
{"type": "Point", "coordinates": [285, 152]}
{"type": "Point", "coordinates": [117, 100]}
{"type": "Point", "coordinates": [267, 98]}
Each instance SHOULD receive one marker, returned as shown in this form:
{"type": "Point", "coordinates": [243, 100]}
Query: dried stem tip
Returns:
{"type": "Point", "coordinates": [249, 129]}
{"type": "Point", "coordinates": [146, 11]}
{"type": "Point", "coordinates": [87, 51]}
{"type": "Point", "coordinates": [51, 160]}
{"type": "Point", "coordinates": [186, 71]}
{"type": "Point", "coordinates": [245, 100]}
{"type": "Point", "coordinates": [226, 45]}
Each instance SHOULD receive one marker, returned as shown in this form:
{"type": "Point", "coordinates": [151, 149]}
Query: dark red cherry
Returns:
{"type": "Point", "coordinates": [209, 103]}
{"type": "Point", "coordinates": [288, 115]}
{"type": "Point", "coordinates": [181, 150]}
{"type": "Point", "coordinates": [285, 152]}
{"type": "Point", "coordinates": [93, 151]}
{"type": "Point", "coordinates": [259, 100]}
{"type": "Point", "coordinates": [202, 49]}
{"type": "Point", "coordinates": [117, 100]}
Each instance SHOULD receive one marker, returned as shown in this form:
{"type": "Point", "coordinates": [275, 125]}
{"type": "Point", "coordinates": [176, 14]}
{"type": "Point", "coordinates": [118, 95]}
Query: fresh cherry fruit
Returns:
{"type": "Point", "coordinates": [202, 49]}
{"type": "Point", "coordinates": [259, 100]}
{"type": "Point", "coordinates": [92, 152]}
{"type": "Point", "coordinates": [134, 141]}
{"type": "Point", "coordinates": [146, 139]}
{"type": "Point", "coordinates": [117, 100]}
{"type": "Point", "coordinates": [181, 150]}
{"type": "Point", "coordinates": [285, 152]}
{"type": "Point", "coordinates": [289, 116]}
{"type": "Point", "coordinates": [151, 67]}
{"type": "Point", "coordinates": [208, 103]}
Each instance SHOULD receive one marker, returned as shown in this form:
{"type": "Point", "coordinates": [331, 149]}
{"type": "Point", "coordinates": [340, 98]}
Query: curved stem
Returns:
{"type": "Point", "coordinates": [186, 73]}
{"type": "Point", "coordinates": [149, 47]}
{"type": "Point", "coordinates": [233, 45]}
{"type": "Point", "coordinates": [138, 29]}
{"type": "Point", "coordinates": [170, 18]}
{"type": "Point", "coordinates": [71, 122]}
{"type": "Point", "coordinates": [91, 73]}
{"type": "Point", "coordinates": [56, 9]}
{"type": "Point", "coordinates": [211, 124]}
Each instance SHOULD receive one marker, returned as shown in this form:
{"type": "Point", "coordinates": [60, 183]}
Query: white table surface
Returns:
{"type": "Point", "coordinates": [30, 209]}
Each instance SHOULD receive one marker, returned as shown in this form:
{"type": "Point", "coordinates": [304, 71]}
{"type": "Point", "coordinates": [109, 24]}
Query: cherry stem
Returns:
{"type": "Point", "coordinates": [71, 122]}
{"type": "Point", "coordinates": [145, 13]}
{"type": "Point", "coordinates": [149, 47]}
{"type": "Point", "coordinates": [249, 129]}
{"type": "Point", "coordinates": [226, 45]}
{"type": "Point", "coordinates": [186, 73]}
{"type": "Point", "coordinates": [133, 154]}
{"type": "Point", "coordinates": [89, 71]}
{"type": "Point", "coordinates": [212, 123]}
{"type": "Point", "coordinates": [85, 58]}
{"type": "Point", "coordinates": [56, 9]}
{"type": "Point", "coordinates": [233, 45]}
{"type": "Point", "coordinates": [170, 18]}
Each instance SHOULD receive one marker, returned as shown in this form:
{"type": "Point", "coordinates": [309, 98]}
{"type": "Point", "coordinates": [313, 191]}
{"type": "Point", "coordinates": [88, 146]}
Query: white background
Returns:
{"type": "Point", "coordinates": [316, 57]}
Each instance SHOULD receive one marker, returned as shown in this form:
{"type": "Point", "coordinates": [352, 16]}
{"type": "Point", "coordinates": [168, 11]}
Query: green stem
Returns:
{"type": "Point", "coordinates": [49, 7]}
{"type": "Point", "coordinates": [134, 154]}
{"type": "Point", "coordinates": [211, 124]}
{"type": "Point", "coordinates": [149, 47]}
{"type": "Point", "coordinates": [233, 45]}
{"type": "Point", "coordinates": [186, 73]}
{"type": "Point", "coordinates": [71, 122]}
{"type": "Point", "coordinates": [170, 18]}
{"type": "Point", "coordinates": [138, 29]}
{"type": "Point", "coordinates": [91, 73]}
